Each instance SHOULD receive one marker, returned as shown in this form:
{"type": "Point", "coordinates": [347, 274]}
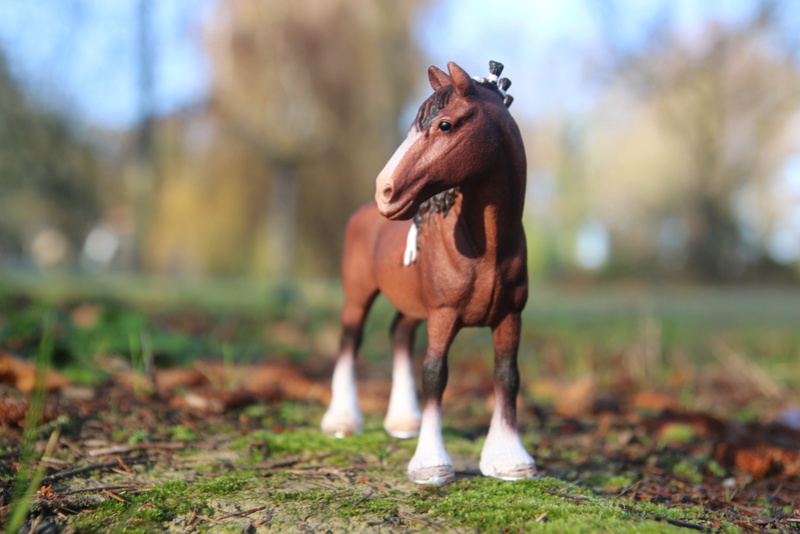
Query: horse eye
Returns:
{"type": "Point", "coordinates": [445, 126]}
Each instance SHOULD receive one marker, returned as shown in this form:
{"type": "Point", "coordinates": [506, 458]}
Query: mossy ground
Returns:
{"type": "Point", "coordinates": [310, 482]}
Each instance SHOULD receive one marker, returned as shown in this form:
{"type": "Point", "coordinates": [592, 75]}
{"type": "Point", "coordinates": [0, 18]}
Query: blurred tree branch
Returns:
{"type": "Point", "coordinates": [309, 94]}
{"type": "Point", "coordinates": [142, 173]}
{"type": "Point", "coordinates": [726, 102]}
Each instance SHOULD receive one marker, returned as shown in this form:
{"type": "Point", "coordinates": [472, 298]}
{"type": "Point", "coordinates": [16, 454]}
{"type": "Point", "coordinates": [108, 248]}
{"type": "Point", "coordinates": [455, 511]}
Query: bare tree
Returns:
{"type": "Point", "coordinates": [725, 103]}
{"type": "Point", "coordinates": [141, 175]}
{"type": "Point", "coordinates": [48, 176]}
{"type": "Point", "coordinates": [315, 89]}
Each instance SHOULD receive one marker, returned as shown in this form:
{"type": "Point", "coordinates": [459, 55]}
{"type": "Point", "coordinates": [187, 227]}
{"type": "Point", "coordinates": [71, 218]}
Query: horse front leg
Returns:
{"type": "Point", "coordinates": [431, 464]}
{"type": "Point", "coordinates": [503, 454]}
{"type": "Point", "coordinates": [403, 416]}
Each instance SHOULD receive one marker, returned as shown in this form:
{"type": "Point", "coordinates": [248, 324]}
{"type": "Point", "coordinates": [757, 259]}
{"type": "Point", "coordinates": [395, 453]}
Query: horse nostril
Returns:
{"type": "Point", "coordinates": [387, 193]}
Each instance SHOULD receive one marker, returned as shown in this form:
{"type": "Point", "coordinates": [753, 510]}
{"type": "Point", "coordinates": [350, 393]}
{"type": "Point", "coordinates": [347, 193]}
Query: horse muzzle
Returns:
{"type": "Point", "coordinates": [389, 195]}
{"type": "Point", "coordinates": [391, 208]}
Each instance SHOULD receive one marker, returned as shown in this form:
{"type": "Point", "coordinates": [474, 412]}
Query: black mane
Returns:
{"type": "Point", "coordinates": [492, 86]}
{"type": "Point", "coordinates": [438, 203]}
{"type": "Point", "coordinates": [431, 107]}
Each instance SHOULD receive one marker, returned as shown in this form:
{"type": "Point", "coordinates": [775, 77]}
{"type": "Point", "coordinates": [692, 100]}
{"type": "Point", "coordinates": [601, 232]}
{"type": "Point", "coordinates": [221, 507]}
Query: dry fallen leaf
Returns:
{"type": "Point", "coordinates": [654, 400]}
{"type": "Point", "coordinates": [22, 374]}
{"type": "Point", "coordinates": [577, 398]}
{"type": "Point", "coordinates": [288, 377]}
{"type": "Point", "coordinates": [168, 380]}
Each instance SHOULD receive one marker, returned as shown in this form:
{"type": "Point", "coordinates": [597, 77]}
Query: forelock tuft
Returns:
{"type": "Point", "coordinates": [430, 109]}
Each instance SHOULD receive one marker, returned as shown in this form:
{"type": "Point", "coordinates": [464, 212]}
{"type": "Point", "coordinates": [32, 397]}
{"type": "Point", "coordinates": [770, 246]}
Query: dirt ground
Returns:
{"type": "Point", "coordinates": [133, 433]}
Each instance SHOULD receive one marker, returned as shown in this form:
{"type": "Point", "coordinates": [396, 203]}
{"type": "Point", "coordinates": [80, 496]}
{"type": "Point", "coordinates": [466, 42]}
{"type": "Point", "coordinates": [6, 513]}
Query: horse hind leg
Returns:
{"type": "Point", "coordinates": [343, 416]}
{"type": "Point", "coordinates": [403, 416]}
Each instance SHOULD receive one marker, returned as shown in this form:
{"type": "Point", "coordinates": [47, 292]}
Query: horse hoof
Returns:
{"type": "Point", "coordinates": [432, 476]}
{"type": "Point", "coordinates": [403, 429]}
{"type": "Point", "coordinates": [519, 472]}
{"type": "Point", "coordinates": [403, 434]}
{"type": "Point", "coordinates": [340, 427]}
{"type": "Point", "coordinates": [340, 434]}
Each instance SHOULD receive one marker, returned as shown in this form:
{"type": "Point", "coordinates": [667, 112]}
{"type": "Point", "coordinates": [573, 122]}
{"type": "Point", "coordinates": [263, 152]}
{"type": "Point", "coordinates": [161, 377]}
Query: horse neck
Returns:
{"type": "Point", "coordinates": [491, 207]}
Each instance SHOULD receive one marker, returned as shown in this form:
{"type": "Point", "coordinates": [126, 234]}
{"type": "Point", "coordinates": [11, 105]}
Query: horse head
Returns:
{"type": "Point", "coordinates": [456, 137]}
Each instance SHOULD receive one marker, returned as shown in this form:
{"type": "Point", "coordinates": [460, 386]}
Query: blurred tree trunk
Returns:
{"type": "Point", "coordinates": [142, 175]}
{"type": "Point", "coordinates": [49, 177]}
{"type": "Point", "coordinates": [282, 217]}
{"type": "Point", "coordinates": [571, 175]}
{"type": "Point", "coordinates": [302, 115]}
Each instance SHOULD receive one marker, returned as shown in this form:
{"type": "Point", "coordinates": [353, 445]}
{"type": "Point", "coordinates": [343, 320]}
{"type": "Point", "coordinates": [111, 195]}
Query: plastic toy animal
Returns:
{"type": "Point", "coordinates": [460, 175]}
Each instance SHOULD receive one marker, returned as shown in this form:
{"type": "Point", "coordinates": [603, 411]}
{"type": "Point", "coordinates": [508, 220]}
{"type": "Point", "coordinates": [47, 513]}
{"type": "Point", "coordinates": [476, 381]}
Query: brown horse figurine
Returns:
{"type": "Point", "coordinates": [469, 270]}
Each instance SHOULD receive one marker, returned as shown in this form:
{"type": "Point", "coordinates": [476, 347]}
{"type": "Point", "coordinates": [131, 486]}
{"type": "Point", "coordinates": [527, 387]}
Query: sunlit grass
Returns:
{"type": "Point", "coordinates": [31, 471]}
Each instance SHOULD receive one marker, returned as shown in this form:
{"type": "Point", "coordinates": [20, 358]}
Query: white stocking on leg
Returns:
{"type": "Point", "coordinates": [503, 454]}
{"type": "Point", "coordinates": [403, 416]}
{"type": "Point", "coordinates": [343, 416]}
{"type": "Point", "coordinates": [431, 464]}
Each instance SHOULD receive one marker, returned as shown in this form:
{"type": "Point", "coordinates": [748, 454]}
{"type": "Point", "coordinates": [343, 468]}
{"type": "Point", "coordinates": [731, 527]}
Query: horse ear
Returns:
{"type": "Point", "coordinates": [437, 77]}
{"type": "Point", "coordinates": [462, 82]}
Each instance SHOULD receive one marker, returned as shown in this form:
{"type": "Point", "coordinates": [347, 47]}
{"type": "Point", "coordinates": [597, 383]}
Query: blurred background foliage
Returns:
{"type": "Point", "coordinates": [669, 153]}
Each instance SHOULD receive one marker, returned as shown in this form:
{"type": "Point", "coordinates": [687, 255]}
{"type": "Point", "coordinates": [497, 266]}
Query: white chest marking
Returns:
{"type": "Point", "coordinates": [410, 254]}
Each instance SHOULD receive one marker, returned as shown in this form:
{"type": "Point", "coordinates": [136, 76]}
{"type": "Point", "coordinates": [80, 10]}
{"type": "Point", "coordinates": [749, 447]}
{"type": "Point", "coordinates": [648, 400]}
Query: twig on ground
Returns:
{"type": "Point", "coordinates": [627, 489]}
{"type": "Point", "coordinates": [246, 512]}
{"type": "Point", "coordinates": [673, 522]}
{"type": "Point", "coordinates": [77, 451]}
{"type": "Point", "coordinates": [368, 482]}
{"type": "Point", "coordinates": [124, 469]}
{"type": "Point", "coordinates": [328, 486]}
{"type": "Point", "coordinates": [121, 449]}
{"type": "Point", "coordinates": [419, 520]}
{"type": "Point", "coordinates": [210, 519]}
{"type": "Point", "coordinates": [114, 496]}
{"type": "Point", "coordinates": [111, 488]}
{"type": "Point", "coordinates": [85, 469]}
{"type": "Point", "coordinates": [577, 498]}
{"type": "Point", "coordinates": [432, 489]}
{"type": "Point", "coordinates": [362, 499]}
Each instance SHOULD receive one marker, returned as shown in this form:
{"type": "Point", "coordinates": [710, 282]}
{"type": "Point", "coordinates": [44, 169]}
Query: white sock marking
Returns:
{"type": "Point", "coordinates": [403, 416]}
{"type": "Point", "coordinates": [343, 416]}
{"type": "Point", "coordinates": [503, 455]}
{"type": "Point", "coordinates": [430, 447]}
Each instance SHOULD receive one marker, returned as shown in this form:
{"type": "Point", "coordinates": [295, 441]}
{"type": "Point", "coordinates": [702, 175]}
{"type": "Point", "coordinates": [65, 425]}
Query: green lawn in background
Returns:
{"type": "Point", "coordinates": [568, 333]}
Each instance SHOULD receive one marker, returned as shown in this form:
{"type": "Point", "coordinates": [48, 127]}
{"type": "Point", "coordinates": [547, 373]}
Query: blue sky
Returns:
{"type": "Point", "coordinates": [60, 48]}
